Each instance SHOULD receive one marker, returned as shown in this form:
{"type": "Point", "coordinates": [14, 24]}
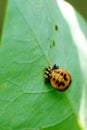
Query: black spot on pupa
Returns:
{"type": "Point", "coordinates": [61, 84]}
{"type": "Point", "coordinates": [57, 82]}
{"type": "Point", "coordinates": [54, 79]}
{"type": "Point", "coordinates": [65, 78]}
{"type": "Point", "coordinates": [61, 74]}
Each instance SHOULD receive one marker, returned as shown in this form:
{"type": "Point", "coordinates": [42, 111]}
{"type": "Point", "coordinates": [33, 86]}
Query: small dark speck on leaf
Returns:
{"type": "Point", "coordinates": [56, 27]}
{"type": "Point", "coordinates": [52, 44]}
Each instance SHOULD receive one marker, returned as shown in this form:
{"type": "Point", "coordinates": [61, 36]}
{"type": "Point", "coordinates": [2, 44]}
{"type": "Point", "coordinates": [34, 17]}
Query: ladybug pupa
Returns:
{"type": "Point", "coordinates": [60, 79]}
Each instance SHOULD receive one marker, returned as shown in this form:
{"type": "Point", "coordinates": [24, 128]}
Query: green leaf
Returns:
{"type": "Point", "coordinates": [38, 34]}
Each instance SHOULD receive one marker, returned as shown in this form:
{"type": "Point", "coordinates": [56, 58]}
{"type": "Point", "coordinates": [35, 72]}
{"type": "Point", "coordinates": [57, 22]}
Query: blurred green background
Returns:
{"type": "Point", "coordinates": [79, 5]}
{"type": "Point", "coordinates": [3, 4]}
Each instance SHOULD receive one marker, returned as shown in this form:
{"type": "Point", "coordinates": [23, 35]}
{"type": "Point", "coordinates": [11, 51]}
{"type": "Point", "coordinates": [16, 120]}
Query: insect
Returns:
{"type": "Point", "coordinates": [58, 78]}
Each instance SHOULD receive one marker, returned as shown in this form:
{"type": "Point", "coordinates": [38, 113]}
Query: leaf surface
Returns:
{"type": "Point", "coordinates": [38, 34]}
